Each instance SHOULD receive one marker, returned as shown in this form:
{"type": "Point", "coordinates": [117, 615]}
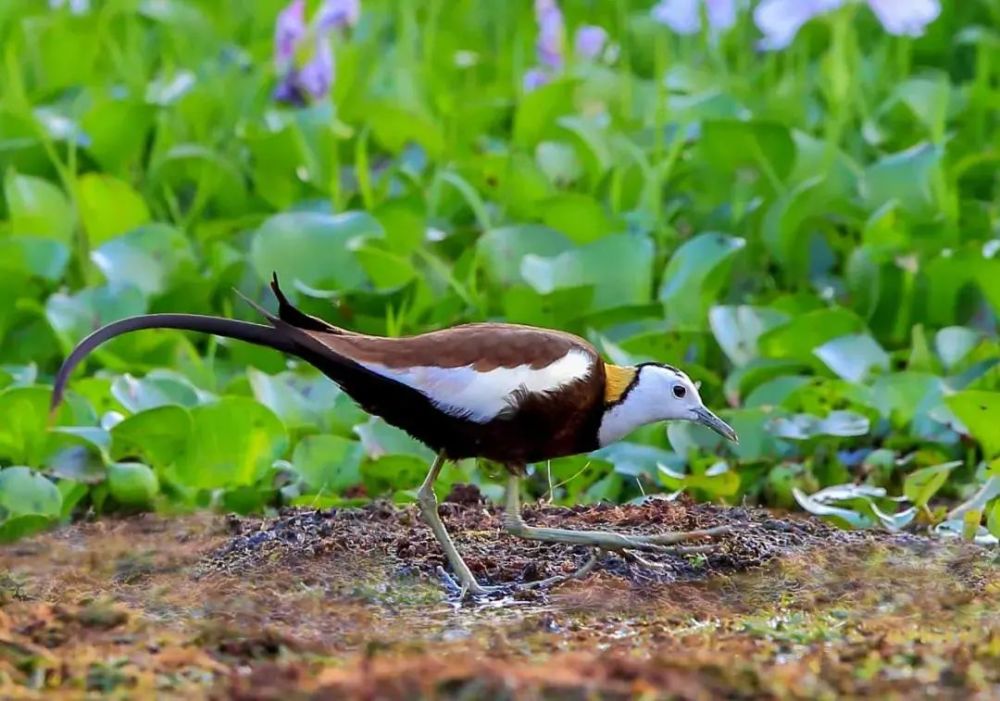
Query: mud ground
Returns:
{"type": "Point", "coordinates": [351, 603]}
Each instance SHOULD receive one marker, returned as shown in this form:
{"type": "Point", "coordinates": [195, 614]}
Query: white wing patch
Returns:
{"type": "Point", "coordinates": [482, 396]}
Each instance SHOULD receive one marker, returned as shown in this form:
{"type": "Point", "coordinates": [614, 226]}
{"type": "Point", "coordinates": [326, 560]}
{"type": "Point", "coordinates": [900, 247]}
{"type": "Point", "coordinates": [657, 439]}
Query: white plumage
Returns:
{"type": "Point", "coordinates": [482, 396]}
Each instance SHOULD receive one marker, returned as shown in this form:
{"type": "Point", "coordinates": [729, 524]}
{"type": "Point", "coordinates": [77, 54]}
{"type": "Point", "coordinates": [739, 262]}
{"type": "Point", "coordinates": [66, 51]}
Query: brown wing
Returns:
{"type": "Point", "coordinates": [482, 346]}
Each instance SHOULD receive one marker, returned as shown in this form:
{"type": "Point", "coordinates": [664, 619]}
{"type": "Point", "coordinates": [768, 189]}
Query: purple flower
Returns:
{"type": "Point", "coordinates": [781, 20]}
{"type": "Point", "coordinates": [534, 79]}
{"type": "Point", "coordinates": [316, 77]}
{"type": "Point", "coordinates": [288, 32]}
{"type": "Point", "coordinates": [905, 17]}
{"type": "Point", "coordinates": [551, 33]}
{"type": "Point", "coordinates": [684, 16]}
{"type": "Point", "coordinates": [589, 41]}
{"type": "Point", "coordinates": [337, 14]}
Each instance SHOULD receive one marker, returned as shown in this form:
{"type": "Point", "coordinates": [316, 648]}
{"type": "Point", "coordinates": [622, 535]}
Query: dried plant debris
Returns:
{"type": "Point", "coordinates": [348, 604]}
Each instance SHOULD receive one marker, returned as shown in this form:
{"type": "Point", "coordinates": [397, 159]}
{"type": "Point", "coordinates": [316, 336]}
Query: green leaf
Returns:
{"type": "Point", "coordinates": [157, 436]}
{"type": "Point", "coordinates": [581, 217]}
{"type": "Point", "coordinates": [158, 388]}
{"type": "Point", "coordinates": [503, 249]}
{"type": "Point", "coordinates": [588, 266]}
{"type": "Point", "coordinates": [108, 207]}
{"type": "Point", "coordinates": [44, 258]}
{"type": "Point", "coordinates": [954, 343]}
{"type": "Point", "coordinates": [737, 328]}
{"type": "Point", "coordinates": [730, 145]}
{"type": "Point", "coordinates": [132, 483]}
{"type": "Point", "coordinates": [74, 317]}
{"type": "Point", "coordinates": [559, 161]}
{"type": "Point", "coordinates": [993, 520]}
{"type": "Point", "coordinates": [312, 248]}
{"type": "Point", "coordinates": [145, 258]}
{"type": "Point", "coordinates": [854, 357]}
{"type": "Point", "coordinates": [24, 415]}
{"type": "Point", "coordinates": [816, 504]}
{"type": "Point", "coordinates": [718, 480]}
{"type": "Point", "coordinates": [328, 463]}
{"type": "Point", "coordinates": [980, 412]}
{"type": "Point", "coordinates": [233, 443]}
{"type": "Point", "coordinates": [694, 277]}
{"type": "Point", "coordinates": [24, 491]}
{"type": "Point", "coordinates": [920, 485]}
{"type": "Point", "coordinates": [805, 426]}
{"type": "Point", "coordinates": [23, 526]}
{"type": "Point", "coordinates": [38, 208]}
{"type": "Point", "coordinates": [906, 177]}
{"type": "Point", "coordinates": [803, 333]}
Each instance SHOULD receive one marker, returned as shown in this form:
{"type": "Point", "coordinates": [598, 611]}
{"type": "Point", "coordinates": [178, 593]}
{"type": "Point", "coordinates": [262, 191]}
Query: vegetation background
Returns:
{"type": "Point", "coordinates": [809, 227]}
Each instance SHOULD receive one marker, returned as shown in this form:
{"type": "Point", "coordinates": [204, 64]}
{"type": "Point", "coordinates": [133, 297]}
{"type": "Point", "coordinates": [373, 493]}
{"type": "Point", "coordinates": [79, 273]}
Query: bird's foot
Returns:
{"type": "Point", "coordinates": [610, 540]}
{"type": "Point", "coordinates": [473, 588]}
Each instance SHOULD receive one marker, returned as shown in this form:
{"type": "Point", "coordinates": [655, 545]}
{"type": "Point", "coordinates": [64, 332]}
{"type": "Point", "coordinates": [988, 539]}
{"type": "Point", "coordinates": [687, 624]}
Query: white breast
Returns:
{"type": "Point", "coordinates": [482, 396]}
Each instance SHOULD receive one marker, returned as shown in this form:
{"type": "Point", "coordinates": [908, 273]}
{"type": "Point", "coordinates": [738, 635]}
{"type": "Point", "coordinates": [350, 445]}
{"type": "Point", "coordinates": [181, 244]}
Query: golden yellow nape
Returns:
{"type": "Point", "coordinates": [617, 381]}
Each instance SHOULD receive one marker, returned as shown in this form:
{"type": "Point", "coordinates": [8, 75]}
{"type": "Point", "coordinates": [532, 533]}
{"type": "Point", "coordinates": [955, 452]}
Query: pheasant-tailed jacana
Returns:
{"type": "Point", "coordinates": [504, 392]}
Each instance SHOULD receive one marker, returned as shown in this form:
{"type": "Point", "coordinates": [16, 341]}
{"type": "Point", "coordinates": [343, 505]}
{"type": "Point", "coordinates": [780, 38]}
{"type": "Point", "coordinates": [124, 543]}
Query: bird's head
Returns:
{"type": "Point", "coordinates": [656, 392]}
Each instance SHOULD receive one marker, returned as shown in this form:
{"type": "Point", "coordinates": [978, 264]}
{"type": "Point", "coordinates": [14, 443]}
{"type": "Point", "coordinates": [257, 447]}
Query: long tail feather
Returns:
{"type": "Point", "coordinates": [257, 334]}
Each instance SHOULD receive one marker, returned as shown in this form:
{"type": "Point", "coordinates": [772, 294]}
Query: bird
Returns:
{"type": "Point", "coordinates": [508, 393]}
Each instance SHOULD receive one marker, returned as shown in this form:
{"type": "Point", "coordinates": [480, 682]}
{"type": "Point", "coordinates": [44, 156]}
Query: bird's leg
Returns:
{"type": "Point", "coordinates": [429, 510]}
{"type": "Point", "coordinates": [606, 540]}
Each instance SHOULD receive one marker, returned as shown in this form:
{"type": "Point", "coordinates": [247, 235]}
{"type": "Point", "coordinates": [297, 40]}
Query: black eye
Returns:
{"type": "Point", "coordinates": [679, 391]}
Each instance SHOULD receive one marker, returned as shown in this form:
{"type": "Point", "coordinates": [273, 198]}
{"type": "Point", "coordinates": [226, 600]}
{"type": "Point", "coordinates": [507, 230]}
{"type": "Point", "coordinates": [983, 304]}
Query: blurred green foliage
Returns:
{"type": "Point", "coordinates": [813, 234]}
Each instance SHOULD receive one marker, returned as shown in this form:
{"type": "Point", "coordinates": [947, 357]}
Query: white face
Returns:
{"type": "Point", "coordinates": [659, 394]}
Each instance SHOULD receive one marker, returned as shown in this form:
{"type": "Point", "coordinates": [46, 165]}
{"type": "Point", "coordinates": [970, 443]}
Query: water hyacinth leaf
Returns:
{"type": "Point", "coordinates": [379, 439]}
{"type": "Point", "coordinates": [145, 257]}
{"type": "Point", "coordinates": [819, 507]}
{"type": "Point", "coordinates": [132, 483]}
{"type": "Point", "coordinates": [737, 328]}
{"type": "Point", "coordinates": [718, 480]}
{"type": "Point", "coordinates": [24, 491]}
{"type": "Point", "coordinates": [907, 177]}
{"type": "Point", "coordinates": [989, 491]}
{"type": "Point", "coordinates": [628, 281]}
{"type": "Point", "coordinates": [299, 401]}
{"type": "Point", "coordinates": [993, 520]}
{"type": "Point", "coordinates": [538, 111]}
{"type": "Point", "coordinates": [502, 249]}
{"type": "Point", "coordinates": [954, 343]}
{"type": "Point", "coordinates": [38, 208]}
{"type": "Point", "coordinates": [979, 411]}
{"type": "Point", "coordinates": [806, 426]}
{"type": "Point", "coordinates": [920, 485]}
{"type": "Point", "coordinates": [108, 207]}
{"type": "Point", "coordinates": [559, 162]}
{"type": "Point", "coordinates": [636, 459]}
{"type": "Point", "coordinates": [312, 248]}
{"type": "Point", "coordinates": [156, 436]}
{"type": "Point", "coordinates": [44, 258]}
{"type": "Point", "coordinates": [392, 472]}
{"type": "Point", "coordinates": [959, 528]}
{"type": "Point", "coordinates": [18, 527]}
{"type": "Point", "coordinates": [897, 521]}
{"type": "Point", "coordinates": [694, 277]}
{"type": "Point", "coordinates": [328, 463]}
{"type": "Point", "coordinates": [234, 442]}
{"type": "Point", "coordinates": [580, 217]}
{"type": "Point", "coordinates": [782, 228]}
{"type": "Point", "coordinates": [927, 96]}
{"type": "Point", "coordinates": [23, 424]}
{"type": "Point", "coordinates": [798, 338]}
{"type": "Point", "coordinates": [854, 357]}
{"type": "Point", "coordinates": [158, 388]}
{"type": "Point", "coordinates": [730, 145]}
{"type": "Point", "coordinates": [74, 317]}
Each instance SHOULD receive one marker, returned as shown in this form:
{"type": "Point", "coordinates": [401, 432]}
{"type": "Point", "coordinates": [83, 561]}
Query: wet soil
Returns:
{"type": "Point", "coordinates": [352, 603]}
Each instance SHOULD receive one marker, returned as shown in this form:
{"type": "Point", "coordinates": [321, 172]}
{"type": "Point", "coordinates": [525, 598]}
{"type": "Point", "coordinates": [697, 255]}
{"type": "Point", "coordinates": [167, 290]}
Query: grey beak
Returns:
{"type": "Point", "coordinates": [707, 418]}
